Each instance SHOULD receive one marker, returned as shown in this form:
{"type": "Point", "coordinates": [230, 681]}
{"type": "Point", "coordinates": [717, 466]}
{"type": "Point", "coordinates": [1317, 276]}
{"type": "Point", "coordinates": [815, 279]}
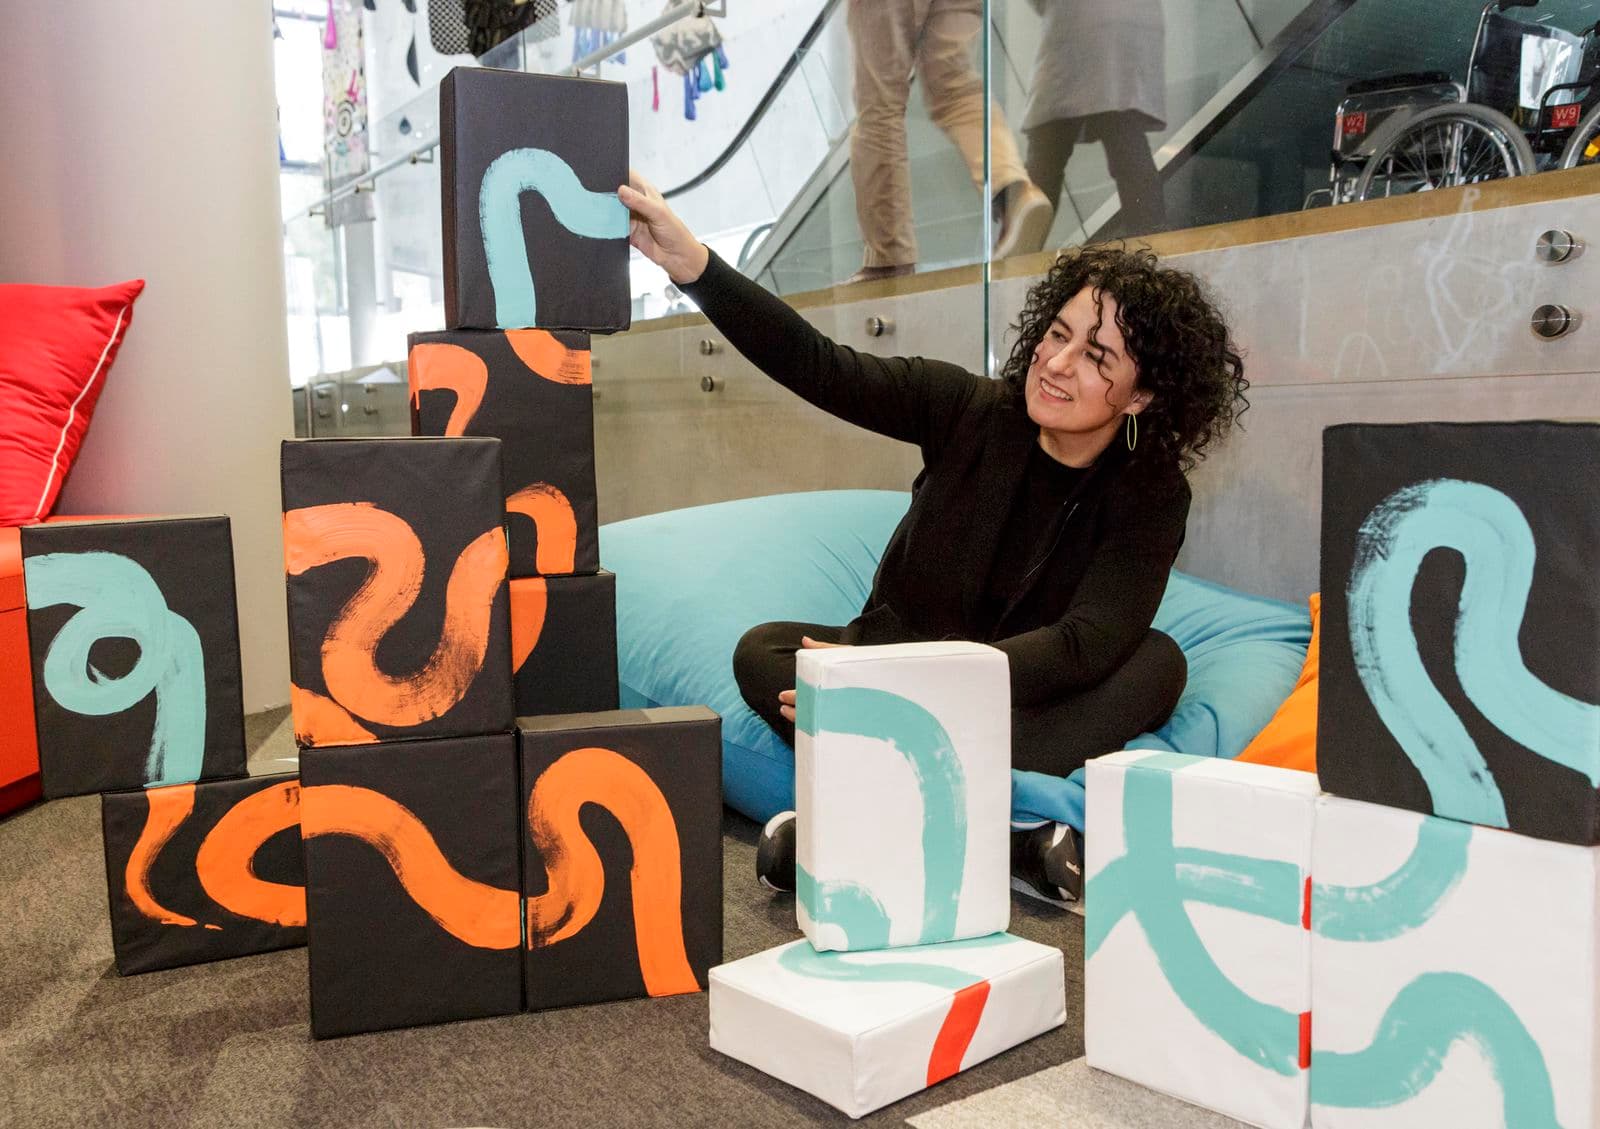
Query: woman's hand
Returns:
{"type": "Point", "coordinates": [786, 697]}
{"type": "Point", "coordinates": [659, 234]}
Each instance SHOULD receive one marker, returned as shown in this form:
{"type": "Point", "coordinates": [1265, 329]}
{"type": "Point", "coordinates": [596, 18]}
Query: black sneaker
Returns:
{"type": "Point", "coordinates": [1047, 863]}
{"type": "Point", "coordinates": [775, 853]}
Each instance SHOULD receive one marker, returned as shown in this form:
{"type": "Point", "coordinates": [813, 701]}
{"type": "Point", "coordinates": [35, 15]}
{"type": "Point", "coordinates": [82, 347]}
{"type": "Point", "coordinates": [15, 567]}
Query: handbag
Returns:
{"type": "Point", "coordinates": [681, 47]}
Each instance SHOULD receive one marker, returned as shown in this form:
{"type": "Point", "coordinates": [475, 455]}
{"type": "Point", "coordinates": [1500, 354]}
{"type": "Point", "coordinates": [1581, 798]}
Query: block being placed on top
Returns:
{"type": "Point", "coordinates": [1197, 977]}
{"type": "Point", "coordinates": [534, 235]}
{"type": "Point", "coordinates": [861, 1030]}
{"type": "Point", "coordinates": [1453, 974]}
{"type": "Point", "coordinates": [412, 886]}
{"type": "Point", "coordinates": [564, 643]}
{"type": "Point", "coordinates": [134, 638]}
{"type": "Point", "coordinates": [399, 621]}
{"type": "Point", "coordinates": [902, 794]}
{"type": "Point", "coordinates": [625, 901]}
{"type": "Point", "coordinates": [202, 872]}
{"type": "Point", "coordinates": [1461, 615]}
{"type": "Point", "coordinates": [531, 390]}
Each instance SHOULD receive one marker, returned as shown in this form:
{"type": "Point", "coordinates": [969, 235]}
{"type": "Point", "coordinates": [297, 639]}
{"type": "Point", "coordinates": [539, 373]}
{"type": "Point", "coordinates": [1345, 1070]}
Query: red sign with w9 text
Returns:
{"type": "Point", "coordinates": [1565, 117]}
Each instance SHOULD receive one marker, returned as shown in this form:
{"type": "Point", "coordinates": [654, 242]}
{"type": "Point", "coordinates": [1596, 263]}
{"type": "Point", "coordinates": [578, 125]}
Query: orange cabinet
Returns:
{"type": "Point", "coordinates": [19, 752]}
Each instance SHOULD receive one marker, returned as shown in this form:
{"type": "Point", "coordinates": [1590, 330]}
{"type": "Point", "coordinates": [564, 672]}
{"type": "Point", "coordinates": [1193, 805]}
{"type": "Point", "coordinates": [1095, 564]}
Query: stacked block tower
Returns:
{"type": "Point", "coordinates": [1411, 939]}
{"type": "Point", "coordinates": [536, 258]}
{"type": "Point", "coordinates": [445, 585]}
{"type": "Point", "coordinates": [906, 975]}
{"type": "Point", "coordinates": [430, 852]}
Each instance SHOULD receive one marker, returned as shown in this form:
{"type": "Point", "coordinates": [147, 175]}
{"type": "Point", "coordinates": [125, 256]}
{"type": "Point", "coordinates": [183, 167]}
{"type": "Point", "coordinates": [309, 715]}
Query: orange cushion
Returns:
{"type": "Point", "coordinates": [1290, 738]}
{"type": "Point", "coordinates": [19, 755]}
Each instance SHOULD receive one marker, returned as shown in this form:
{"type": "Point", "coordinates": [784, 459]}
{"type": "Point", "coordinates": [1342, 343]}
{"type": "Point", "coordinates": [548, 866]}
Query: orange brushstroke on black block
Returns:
{"type": "Point", "coordinates": [530, 600]}
{"type": "Point", "coordinates": [323, 721]}
{"type": "Point", "coordinates": [449, 368]}
{"type": "Point", "coordinates": [319, 535]}
{"type": "Point", "coordinates": [549, 358]}
{"type": "Point", "coordinates": [553, 516]}
{"type": "Point", "coordinates": [168, 808]}
{"type": "Point", "coordinates": [473, 912]}
{"type": "Point", "coordinates": [576, 874]}
{"type": "Point", "coordinates": [225, 862]}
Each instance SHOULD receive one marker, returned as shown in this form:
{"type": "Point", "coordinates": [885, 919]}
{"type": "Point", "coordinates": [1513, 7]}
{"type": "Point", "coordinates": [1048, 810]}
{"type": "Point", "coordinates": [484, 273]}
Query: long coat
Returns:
{"type": "Point", "coordinates": [1097, 56]}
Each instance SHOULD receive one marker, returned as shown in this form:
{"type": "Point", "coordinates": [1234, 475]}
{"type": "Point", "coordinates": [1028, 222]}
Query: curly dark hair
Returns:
{"type": "Point", "coordinates": [1184, 354]}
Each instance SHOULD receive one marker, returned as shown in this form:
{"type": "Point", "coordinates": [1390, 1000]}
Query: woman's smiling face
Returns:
{"type": "Point", "coordinates": [1078, 389]}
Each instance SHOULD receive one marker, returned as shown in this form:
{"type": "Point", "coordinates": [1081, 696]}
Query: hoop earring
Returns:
{"type": "Point", "coordinates": [1130, 431]}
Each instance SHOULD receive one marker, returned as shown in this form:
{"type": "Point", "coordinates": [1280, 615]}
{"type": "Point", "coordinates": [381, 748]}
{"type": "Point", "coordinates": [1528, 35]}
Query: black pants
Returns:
{"type": "Point", "coordinates": [1055, 738]}
{"type": "Point", "coordinates": [1128, 158]}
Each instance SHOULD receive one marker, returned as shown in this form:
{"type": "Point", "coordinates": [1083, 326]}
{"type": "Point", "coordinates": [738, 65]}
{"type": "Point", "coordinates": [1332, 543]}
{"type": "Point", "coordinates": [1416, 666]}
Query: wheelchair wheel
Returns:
{"type": "Point", "coordinates": [1442, 147]}
{"type": "Point", "coordinates": [1584, 147]}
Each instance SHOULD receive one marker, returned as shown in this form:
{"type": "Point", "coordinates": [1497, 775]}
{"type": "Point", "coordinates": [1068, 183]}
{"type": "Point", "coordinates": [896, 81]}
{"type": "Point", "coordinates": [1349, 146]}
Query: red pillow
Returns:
{"type": "Point", "coordinates": [56, 346]}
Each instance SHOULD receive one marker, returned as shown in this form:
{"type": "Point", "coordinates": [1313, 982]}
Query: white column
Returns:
{"type": "Point", "coordinates": [140, 142]}
{"type": "Point", "coordinates": [361, 293]}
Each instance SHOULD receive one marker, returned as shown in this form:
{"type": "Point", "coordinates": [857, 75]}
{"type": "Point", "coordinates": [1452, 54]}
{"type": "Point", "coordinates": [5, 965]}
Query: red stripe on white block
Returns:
{"type": "Point", "coordinates": [955, 1035]}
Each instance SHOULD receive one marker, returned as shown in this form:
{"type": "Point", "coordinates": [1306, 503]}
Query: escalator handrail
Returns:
{"type": "Point", "coordinates": [761, 108]}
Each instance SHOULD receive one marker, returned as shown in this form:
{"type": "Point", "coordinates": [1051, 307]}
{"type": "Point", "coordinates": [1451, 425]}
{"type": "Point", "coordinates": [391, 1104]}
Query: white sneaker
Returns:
{"type": "Point", "coordinates": [1024, 221]}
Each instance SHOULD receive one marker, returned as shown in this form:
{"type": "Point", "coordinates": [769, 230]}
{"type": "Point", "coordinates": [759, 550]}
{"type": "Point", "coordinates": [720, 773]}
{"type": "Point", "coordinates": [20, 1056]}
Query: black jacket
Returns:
{"type": "Point", "coordinates": [1088, 605]}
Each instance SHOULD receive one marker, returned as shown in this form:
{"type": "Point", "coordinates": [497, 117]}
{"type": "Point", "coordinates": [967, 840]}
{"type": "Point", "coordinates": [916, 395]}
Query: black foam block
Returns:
{"type": "Point", "coordinates": [534, 235]}
{"type": "Point", "coordinates": [1461, 622]}
{"type": "Point", "coordinates": [412, 882]}
{"type": "Point", "coordinates": [642, 789]}
{"type": "Point", "coordinates": [133, 630]}
{"type": "Point", "coordinates": [202, 872]}
{"type": "Point", "coordinates": [564, 643]}
{"type": "Point", "coordinates": [530, 389]}
{"type": "Point", "coordinates": [399, 621]}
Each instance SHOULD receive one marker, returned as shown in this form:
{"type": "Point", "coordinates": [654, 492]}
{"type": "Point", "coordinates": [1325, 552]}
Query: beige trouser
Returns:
{"type": "Point", "coordinates": [933, 37]}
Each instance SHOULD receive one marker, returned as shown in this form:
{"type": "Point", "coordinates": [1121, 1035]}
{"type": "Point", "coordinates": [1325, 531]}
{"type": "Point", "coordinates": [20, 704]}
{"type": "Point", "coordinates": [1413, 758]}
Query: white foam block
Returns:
{"type": "Point", "coordinates": [861, 1030]}
{"type": "Point", "coordinates": [1453, 974]}
{"type": "Point", "coordinates": [1197, 978]}
{"type": "Point", "coordinates": [902, 794]}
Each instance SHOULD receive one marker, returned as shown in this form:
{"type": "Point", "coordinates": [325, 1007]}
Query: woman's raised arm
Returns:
{"type": "Point", "coordinates": [906, 398]}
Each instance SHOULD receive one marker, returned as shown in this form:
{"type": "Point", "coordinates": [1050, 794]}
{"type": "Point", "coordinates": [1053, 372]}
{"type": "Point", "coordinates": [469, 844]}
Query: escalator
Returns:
{"type": "Point", "coordinates": [762, 176]}
{"type": "Point", "coordinates": [797, 140]}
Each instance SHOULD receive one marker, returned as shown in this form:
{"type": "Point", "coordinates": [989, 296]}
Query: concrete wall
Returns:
{"type": "Point", "coordinates": [661, 441]}
{"type": "Point", "coordinates": [140, 143]}
{"type": "Point", "coordinates": [1420, 320]}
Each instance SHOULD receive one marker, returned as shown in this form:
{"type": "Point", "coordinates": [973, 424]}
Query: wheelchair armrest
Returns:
{"type": "Point", "coordinates": [1397, 81]}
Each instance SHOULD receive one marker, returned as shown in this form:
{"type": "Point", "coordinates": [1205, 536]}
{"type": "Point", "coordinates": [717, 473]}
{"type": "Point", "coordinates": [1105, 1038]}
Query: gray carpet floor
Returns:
{"type": "Point", "coordinates": [1072, 1095]}
{"type": "Point", "coordinates": [228, 1044]}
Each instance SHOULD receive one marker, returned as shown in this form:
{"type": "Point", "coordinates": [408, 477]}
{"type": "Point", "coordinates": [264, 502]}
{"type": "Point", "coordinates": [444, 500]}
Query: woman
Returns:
{"type": "Point", "coordinates": [1100, 76]}
{"type": "Point", "coordinates": [1049, 509]}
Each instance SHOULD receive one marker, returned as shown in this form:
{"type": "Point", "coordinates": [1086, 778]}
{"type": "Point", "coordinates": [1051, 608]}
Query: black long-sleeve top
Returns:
{"type": "Point", "coordinates": [1100, 541]}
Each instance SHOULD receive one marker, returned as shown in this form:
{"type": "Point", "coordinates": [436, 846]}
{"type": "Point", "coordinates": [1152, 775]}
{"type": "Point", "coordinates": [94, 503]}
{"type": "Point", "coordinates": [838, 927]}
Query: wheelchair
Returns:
{"type": "Point", "coordinates": [1529, 104]}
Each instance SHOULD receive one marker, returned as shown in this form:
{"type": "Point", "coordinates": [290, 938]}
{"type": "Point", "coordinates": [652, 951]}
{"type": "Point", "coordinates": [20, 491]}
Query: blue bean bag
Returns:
{"type": "Point", "coordinates": [691, 582]}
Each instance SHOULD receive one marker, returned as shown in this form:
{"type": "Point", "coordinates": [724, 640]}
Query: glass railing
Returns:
{"type": "Point", "coordinates": [1068, 84]}
{"type": "Point", "coordinates": [1136, 117]}
{"type": "Point", "coordinates": [1400, 96]}
{"type": "Point", "coordinates": [356, 290]}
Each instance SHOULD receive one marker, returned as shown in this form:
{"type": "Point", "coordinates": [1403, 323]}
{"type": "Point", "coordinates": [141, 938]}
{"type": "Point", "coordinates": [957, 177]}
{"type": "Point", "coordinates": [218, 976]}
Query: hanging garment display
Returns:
{"type": "Point", "coordinates": [491, 22]}
{"type": "Point", "coordinates": [596, 24]}
{"type": "Point", "coordinates": [692, 48]}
